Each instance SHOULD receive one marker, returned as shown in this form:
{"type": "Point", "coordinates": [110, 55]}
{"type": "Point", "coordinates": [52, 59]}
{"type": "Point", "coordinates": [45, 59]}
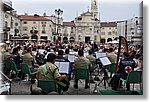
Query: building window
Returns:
{"type": "Point", "coordinates": [102, 33]}
{"type": "Point", "coordinates": [25, 28]}
{"type": "Point", "coordinates": [25, 22]}
{"type": "Point", "coordinates": [11, 24]}
{"type": "Point", "coordinates": [109, 33]}
{"type": "Point", "coordinates": [95, 38]}
{"type": "Point", "coordinates": [43, 32]}
{"type": "Point", "coordinates": [97, 31]}
{"type": "Point", "coordinates": [34, 22]}
{"type": "Point", "coordinates": [16, 24]}
{"type": "Point", "coordinates": [43, 23]}
{"type": "Point", "coordinates": [44, 26]}
{"type": "Point", "coordinates": [79, 18]}
{"type": "Point", "coordinates": [6, 24]}
{"type": "Point", "coordinates": [102, 28]}
{"type": "Point", "coordinates": [6, 16]}
{"type": "Point", "coordinates": [136, 22]}
{"type": "Point", "coordinates": [109, 28]}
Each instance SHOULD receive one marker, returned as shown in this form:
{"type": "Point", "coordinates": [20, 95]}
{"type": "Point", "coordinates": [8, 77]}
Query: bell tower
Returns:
{"type": "Point", "coordinates": [94, 8]}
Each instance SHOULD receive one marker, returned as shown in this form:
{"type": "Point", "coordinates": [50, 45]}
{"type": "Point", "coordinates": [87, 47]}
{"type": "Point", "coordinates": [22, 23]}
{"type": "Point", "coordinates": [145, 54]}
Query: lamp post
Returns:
{"type": "Point", "coordinates": [58, 12]}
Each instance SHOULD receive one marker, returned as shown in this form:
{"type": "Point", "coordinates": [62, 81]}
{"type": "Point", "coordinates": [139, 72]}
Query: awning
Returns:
{"type": "Point", "coordinates": [24, 36]}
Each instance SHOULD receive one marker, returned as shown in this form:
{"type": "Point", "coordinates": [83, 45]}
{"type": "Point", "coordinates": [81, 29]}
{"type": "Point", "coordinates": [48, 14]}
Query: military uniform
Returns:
{"type": "Point", "coordinates": [91, 58]}
{"type": "Point", "coordinates": [6, 56]}
{"type": "Point", "coordinates": [112, 57]}
{"type": "Point", "coordinates": [51, 74]}
{"type": "Point", "coordinates": [28, 59]}
{"type": "Point", "coordinates": [82, 62]}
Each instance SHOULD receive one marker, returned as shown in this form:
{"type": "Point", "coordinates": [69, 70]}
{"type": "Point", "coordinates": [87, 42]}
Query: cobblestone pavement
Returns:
{"type": "Point", "coordinates": [23, 88]}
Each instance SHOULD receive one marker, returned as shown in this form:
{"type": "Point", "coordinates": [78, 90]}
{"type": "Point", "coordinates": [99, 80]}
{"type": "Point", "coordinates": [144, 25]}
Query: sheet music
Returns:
{"type": "Point", "coordinates": [41, 51]}
{"type": "Point", "coordinates": [105, 61]}
{"type": "Point", "coordinates": [63, 67]}
{"type": "Point", "coordinates": [73, 53]}
{"type": "Point", "coordinates": [100, 54]}
{"type": "Point", "coordinates": [71, 58]}
{"type": "Point", "coordinates": [57, 64]}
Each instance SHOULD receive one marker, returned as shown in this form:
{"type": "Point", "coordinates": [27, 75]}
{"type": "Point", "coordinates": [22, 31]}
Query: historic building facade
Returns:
{"type": "Point", "coordinates": [69, 32]}
{"type": "Point", "coordinates": [10, 22]}
{"type": "Point", "coordinates": [36, 27]}
{"type": "Point", "coordinates": [88, 25]}
{"type": "Point", "coordinates": [131, 29]}
{"type": "Point", "coordinates": [108, 31]}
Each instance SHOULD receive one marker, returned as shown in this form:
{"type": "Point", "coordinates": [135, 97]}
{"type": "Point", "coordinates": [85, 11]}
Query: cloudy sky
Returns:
{"type": "Point", "coordinates": [110, 10]}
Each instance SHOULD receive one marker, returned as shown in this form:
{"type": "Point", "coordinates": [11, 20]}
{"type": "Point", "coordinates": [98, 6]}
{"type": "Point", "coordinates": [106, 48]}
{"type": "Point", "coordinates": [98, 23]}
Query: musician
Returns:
{"type": "Point", "coordinates": [81, 62]}
{"type": "Point", "coordinates": [112, 56]}
{"type": "Point", "coordinates": [49, 71]}
{"type": "Point", "coordinates": [60, 56]}
{"type": "Point", "coordinates": [126, 66]}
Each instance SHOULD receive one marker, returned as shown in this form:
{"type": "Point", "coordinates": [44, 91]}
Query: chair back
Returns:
{"type": "Point", "coordinates": [82, 73]}
{"type": "Point", "coordinates": [112, 67]}
{"type": "Point", "coordinates": [25, 69]}
{"type": "Point", "coordinates": [47, 85]}
{"type": "Point", "coordinates": [7, 64]}
{"type": "Point", "coordinates": [134, 77]}
{"type": "Point", "coordinates": [14, 67]}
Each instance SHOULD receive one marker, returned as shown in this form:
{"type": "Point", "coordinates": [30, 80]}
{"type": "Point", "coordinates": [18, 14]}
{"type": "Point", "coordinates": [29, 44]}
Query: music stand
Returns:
{"type": "Point", "coordinates": [99, 55]}
{"type": "Point", "coordinates": [9, 80]}
{"type": "Point", "coordinates": [104, 61]}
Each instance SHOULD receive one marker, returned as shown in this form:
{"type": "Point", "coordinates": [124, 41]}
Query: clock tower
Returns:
{"type": "Point", "coordinates": [94, 8]}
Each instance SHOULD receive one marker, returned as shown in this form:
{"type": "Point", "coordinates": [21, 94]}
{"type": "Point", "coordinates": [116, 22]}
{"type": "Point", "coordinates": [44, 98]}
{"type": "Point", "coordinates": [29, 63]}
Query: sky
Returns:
{"type": "Point", "coordinates": [110, 10]}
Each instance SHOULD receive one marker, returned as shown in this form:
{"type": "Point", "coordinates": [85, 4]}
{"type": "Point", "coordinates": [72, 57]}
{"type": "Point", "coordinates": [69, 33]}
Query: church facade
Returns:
{"type": "Point", "coordinates": [88, 25]}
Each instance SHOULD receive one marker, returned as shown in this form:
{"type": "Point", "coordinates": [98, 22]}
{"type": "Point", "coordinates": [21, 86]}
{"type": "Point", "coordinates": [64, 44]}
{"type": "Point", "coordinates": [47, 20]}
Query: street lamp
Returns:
{"type": "Point", "coordinates": [58, 12]}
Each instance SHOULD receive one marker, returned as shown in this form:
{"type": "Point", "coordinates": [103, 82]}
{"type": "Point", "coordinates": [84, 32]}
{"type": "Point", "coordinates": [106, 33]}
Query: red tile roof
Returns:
{"type": "Point", "coordinates": [33, 18]}
{"type": "Point", "coordinates": [70, 24]}
{"type": "Point", "coordinates": [108, 24]}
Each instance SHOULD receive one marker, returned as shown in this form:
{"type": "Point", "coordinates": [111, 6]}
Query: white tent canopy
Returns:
{"type": "Point", "coordinates": [113, 42]}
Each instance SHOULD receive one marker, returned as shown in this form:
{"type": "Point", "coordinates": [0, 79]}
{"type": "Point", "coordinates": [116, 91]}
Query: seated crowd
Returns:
{"type": "Point", "coordinates": [47, 70]}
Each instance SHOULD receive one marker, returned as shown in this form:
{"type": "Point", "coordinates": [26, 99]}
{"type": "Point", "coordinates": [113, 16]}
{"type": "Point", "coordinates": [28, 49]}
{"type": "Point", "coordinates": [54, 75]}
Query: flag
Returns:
{"type": "Point", "coordinates": [122, 43]}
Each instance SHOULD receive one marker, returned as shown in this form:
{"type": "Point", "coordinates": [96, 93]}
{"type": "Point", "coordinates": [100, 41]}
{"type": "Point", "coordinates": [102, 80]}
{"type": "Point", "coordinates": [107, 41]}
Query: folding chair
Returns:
{"type": "Point", "coordinates": [112, 69]}
{"type": "Point", "coordinates": [7, 66]}
{"type": "Point", "coordinates": [14, 68]}
{"type": "Point", "coordinates": [82, 73]}
{"type": "Point", "coordinates": [133, 77]}
{"type": "Point", "coordinates": [49, 86]}
{"type": "Point", "coordinates": [26, 70]}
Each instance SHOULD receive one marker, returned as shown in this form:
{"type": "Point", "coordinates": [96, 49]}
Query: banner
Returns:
{"type": "Point", "coordinates": [122, 43]}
